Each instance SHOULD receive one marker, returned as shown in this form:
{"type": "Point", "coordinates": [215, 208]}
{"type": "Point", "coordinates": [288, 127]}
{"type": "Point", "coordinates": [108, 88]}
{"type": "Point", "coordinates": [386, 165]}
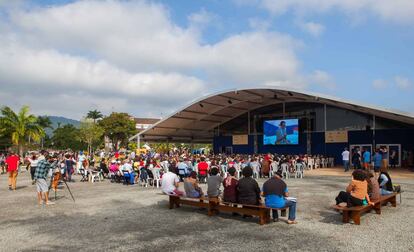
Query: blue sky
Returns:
{"type": "Point", "coordinates": [151, 57]}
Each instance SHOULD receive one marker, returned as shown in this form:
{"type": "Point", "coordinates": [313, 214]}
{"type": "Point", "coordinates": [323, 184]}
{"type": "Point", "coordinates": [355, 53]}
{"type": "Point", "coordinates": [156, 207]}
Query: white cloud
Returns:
{"type": "Point", "coordinates": [402, 83]}
{"type": "Point", "coordinates": [379, 84]}
{"type": "Point", "coordinates": [323, 79]}
{"type": "Point", "coordinates": [397, 11]}
{"type": "Point", "coordinates": [259, 24]}
{"type": "Point", "coordinates": [133, 55]}
{"type": "Point", "coordinates": [141, 37]}
{"type": "Point", "coordinates": [314, 29]}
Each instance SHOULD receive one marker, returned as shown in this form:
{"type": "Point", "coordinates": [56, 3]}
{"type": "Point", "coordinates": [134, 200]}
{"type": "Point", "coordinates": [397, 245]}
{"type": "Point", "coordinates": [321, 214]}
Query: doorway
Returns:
{"type": "Point", "coordinates": [394, 154]}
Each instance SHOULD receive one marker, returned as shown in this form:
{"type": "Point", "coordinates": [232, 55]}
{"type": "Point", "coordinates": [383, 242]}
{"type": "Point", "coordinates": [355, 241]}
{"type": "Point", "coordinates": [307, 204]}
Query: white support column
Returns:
{"type": "Point", "coordinates": [284, 109]}
{"type": "Point", "coordinates": [139, 143]}
{"type": "Point", "coordinates": [325, 124]}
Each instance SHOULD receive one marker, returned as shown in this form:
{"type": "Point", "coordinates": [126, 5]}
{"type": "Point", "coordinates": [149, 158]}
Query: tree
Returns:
{"type": "Point", "coordinates": [45, 123]}
{"type": "Point", "coordinates": [94, 115]}
{"type": "Point", "coordinates": [67, 137]}
{"type": "Point", "coordinates": [21, 126]}
{"type": "Point", "coordinates": [90, 133]}
{"type": "Point", "coordinates": [118, 127]}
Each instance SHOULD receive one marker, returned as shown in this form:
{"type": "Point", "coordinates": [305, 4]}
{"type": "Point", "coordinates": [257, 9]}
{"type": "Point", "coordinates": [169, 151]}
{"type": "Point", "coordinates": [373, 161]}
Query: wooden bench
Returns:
{"type": "Point", "coordinates": [176, 201]}
{"type": "Point", "coordinates": [356, 211]}
{"type": "Point", "coordinates": [214, 206]}
{"type": "Point", "coordinates": [260, 211]}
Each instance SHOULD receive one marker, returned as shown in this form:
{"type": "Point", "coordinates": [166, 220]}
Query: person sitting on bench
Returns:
{"type": "Point", "coordinates": [192, 190]}
{"type": "Point", "coordinates": [275, 190]}
{"type": "Point", "coordinates": [385, 182]}
{"type": "Point", "coordinates": [357, 191]}
{"type": "Point", "coordinates": [170, 183]}
{"type": "Point", "coordinates": [248, 190]}
{"type": "Point", "coordinates": [213, 183]}
{"type": "Point", "coordinates": [230, 186]}
{"type": "Point", "coordinates": [373, 187]}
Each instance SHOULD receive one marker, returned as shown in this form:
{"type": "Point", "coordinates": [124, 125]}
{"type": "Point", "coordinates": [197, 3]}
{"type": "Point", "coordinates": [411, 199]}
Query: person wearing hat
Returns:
{"type": "Point", "coordinates": [275, 192]}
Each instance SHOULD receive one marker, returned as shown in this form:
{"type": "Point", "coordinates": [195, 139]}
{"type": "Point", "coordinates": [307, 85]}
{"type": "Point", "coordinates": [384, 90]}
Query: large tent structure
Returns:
{"type": "Point", "coordinates": [200, 121]}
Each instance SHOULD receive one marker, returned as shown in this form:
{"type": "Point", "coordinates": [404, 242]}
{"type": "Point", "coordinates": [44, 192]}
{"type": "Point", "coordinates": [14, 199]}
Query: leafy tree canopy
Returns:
{"type": "Point", "coordinates": [118, 127]}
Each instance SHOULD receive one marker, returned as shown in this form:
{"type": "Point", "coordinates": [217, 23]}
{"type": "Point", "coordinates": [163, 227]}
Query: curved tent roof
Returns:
{"type": "Point", "coordinates": [196, 122]}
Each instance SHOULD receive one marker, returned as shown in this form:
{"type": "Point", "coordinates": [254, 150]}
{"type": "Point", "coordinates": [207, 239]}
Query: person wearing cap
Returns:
{"type": "Point", "coordinates": [275, 190]}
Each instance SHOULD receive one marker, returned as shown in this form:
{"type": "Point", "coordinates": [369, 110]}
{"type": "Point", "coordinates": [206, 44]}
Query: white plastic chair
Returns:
{"type": "Point", "coordinates": [285, 170]}
{"type": "Point", "coordinates": [299, 170]}
{"type": "Point", "coordinates": [311, 162]}
{"type": "Point", "coordinates": [94, 175]}
{"type": "Point", "coordinates": [157, 177]}
{"type": "Point", "coordinates": [274, 166]}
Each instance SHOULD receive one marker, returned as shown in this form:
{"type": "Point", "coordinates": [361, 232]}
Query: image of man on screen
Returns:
{"type": "Point", "coordinates": [281, 135]}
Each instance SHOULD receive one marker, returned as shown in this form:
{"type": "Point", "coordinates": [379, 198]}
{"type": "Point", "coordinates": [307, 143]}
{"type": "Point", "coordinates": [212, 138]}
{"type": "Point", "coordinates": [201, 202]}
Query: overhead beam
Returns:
{"type": "Point", "coordinates": [205, 113]}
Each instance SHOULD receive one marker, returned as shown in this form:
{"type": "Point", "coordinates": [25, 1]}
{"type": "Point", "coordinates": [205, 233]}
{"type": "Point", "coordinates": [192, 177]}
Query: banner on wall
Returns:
{"type": "Point", "coordinates": [338, 136]}
{"type": "Point", "coordinates": [240, 139]}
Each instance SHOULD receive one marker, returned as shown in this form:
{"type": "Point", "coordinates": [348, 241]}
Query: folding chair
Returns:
{"type": "Point", "coordinates": [84, 174]}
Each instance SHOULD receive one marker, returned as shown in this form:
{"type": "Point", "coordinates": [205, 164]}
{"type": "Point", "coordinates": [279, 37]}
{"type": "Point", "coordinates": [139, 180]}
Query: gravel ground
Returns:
{"type": "Point", "coordinates": [113, 217]}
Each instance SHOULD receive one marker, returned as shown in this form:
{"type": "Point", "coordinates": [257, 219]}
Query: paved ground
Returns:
{"type": "Point", "coordinates": [113, 217]}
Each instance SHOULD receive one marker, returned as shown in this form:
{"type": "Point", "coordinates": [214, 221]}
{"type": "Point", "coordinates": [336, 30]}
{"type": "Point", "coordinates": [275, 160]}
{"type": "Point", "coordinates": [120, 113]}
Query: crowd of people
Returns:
{"type": "Point", "coordinates": [364, 159]}
{"type": "Point", "coordinates": [230, 177]}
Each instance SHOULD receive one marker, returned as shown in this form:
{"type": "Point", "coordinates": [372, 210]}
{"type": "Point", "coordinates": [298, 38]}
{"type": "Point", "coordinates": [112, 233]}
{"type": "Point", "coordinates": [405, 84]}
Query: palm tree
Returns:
{"type": "Point", "coordinates": [20, 126]}
{"type": "Point", "coordinates": [94, 114]}
{"type": "Point", "coordinates": [45, 123]}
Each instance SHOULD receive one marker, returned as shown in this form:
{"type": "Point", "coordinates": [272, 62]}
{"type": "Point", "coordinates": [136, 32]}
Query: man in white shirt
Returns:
{"type": "Point", "coordinates": [345, 159]}
{"type": "Point", "coordinates": [170, 183]}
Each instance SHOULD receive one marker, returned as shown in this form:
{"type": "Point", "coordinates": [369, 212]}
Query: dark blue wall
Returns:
{"type": "Point", "coordinates": [405, 137]}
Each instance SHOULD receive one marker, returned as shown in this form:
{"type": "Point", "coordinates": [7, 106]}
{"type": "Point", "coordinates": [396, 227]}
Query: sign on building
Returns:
{"type": "Point", "coordinates": [338, 136]}
{"type": "Point", "coordinates": [240, 139]}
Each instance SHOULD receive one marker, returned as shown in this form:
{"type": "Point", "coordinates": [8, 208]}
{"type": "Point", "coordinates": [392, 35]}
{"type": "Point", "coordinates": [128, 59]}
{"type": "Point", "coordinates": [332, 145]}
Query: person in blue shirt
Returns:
{"type": "Point", "coordinates": [377, 160]}
{"type": "Point", "coordinates": [366, 157]}
{"type": "Point", "coordinates": [281, 134]}
{"type": "Point", "coordinates": [275, 190]}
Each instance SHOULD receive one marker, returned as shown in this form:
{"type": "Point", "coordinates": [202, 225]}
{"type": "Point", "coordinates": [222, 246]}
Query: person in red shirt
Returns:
{"type": "Point", "coordinates": [12, 162]}
{"type": "Point", "coordinates": [202, 170]}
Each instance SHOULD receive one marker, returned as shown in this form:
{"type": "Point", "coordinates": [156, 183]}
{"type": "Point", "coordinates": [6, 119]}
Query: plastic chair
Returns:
{"type": "Point", "coordinates": [157, 177]}
{"type": "Point", "coordinates": [299, 170]}
{"type": "Point", "coordinates": [285, 170]}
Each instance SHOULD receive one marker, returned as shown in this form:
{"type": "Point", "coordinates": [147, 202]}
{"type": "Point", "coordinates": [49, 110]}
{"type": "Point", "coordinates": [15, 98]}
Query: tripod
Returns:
{"type": "Point", "coordinates": [59, 177]}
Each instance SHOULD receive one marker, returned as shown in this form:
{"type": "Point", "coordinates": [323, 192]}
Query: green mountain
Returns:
{"type": "Point", "coordinates": [59, 120]}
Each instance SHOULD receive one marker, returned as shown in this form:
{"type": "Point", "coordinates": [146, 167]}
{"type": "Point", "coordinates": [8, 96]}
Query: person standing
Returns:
{"type": "Point", "coordinates": [366, 158]}
{"type": "Point", "coordinates": [69, 164]}
{"type": "Point", "coordinates": [384, 153]}
{"type": "Point", "coordinates": [345, 159]}
{"type": "Point", "coordinates": [33, 163]}
{"type": "Point", "coordinates": [2, 163]}
{"type": "Point", "coordinates": [12, 162]}
{"type": "Point", "coordinates": [356, 159]}
{"type": "Point", "coordinates": [42, 169]}
{"type": "Point", "coordinates": [377, 161]}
